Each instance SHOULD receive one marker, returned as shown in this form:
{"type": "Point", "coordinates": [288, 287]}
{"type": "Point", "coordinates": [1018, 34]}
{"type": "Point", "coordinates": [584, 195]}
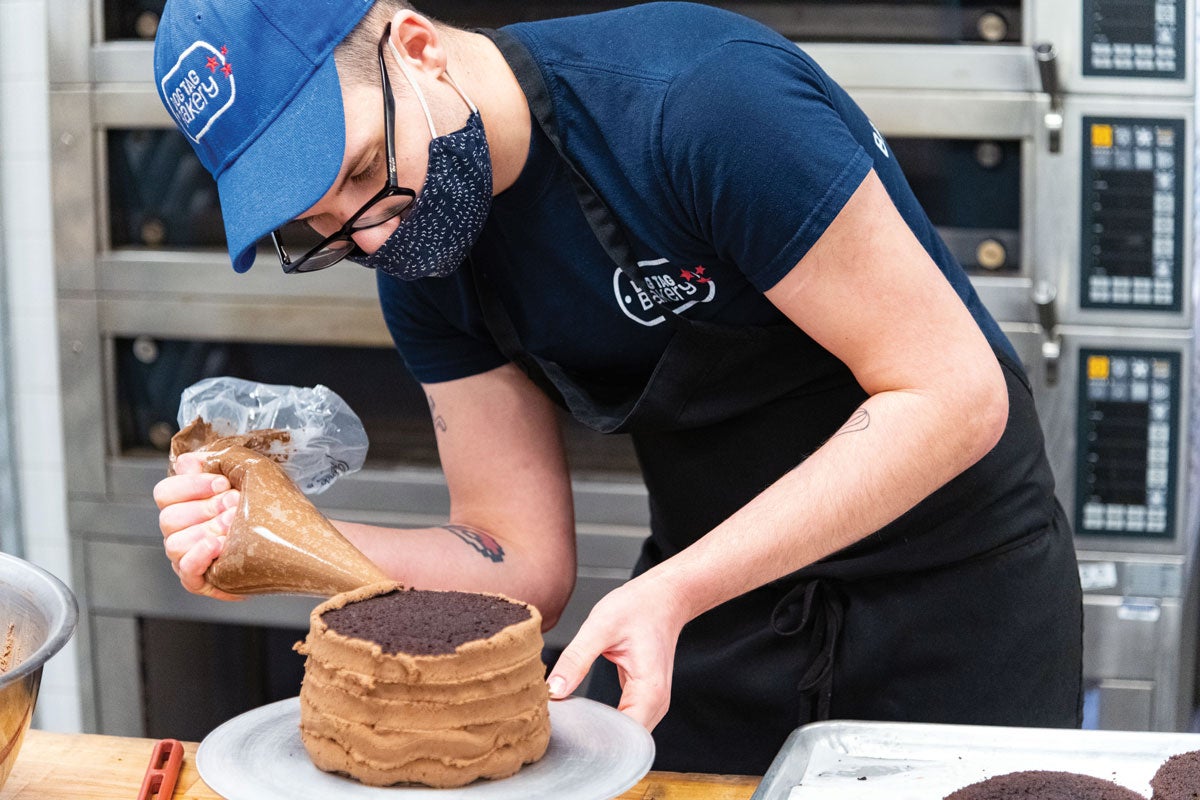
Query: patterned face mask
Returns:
{"type": "Point", "coordinates": [434, 238]}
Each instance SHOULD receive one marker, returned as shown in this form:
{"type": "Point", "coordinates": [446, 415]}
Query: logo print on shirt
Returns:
{"type": "Point", "coordinates": [879, 141]}
{"type": "Point", "coordinates": [195, 93]}
{"type": "Point", "coordinates": [662, 285]}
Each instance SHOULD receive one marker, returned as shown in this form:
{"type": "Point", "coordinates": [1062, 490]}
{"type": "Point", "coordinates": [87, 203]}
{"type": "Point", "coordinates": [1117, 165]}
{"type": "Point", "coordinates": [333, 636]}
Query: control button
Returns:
{"type": "Point", "coordinates": [1114, 517]}
{"type": "Point", "coordinates": [991, 254]}
{"type": "Point", "coordinates": [992, 27]}
{"type": "Point", "coordinates": [1135, 520]}
{"type": "Point", "coordinates": [1098, 368]}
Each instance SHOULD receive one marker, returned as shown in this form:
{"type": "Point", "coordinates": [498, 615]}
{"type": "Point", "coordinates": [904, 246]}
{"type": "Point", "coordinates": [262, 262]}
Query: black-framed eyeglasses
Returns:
{"type": "Point", "coordinates": [388, 203]}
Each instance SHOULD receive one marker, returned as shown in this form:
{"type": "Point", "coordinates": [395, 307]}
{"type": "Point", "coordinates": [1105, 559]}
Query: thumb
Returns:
{"type": "Point", "coordinates": [573, 665]}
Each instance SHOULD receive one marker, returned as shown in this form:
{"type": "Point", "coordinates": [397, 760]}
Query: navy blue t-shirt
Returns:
{"type": "Point", "coordinates": [724, 151]}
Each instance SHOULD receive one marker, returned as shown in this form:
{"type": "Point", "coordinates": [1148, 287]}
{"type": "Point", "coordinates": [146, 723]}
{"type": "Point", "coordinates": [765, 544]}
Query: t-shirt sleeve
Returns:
{"type": "Point", "coordinates": [439, 333]}
{"type": "Point", "coordinates": [758, 156]}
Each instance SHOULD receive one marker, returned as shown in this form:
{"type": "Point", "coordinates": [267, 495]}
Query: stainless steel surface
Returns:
{"type": "Point", "coordinates": [595, 753]}
{"type": "Point", "coordinates": [37, 617]}
{"type": "Point", "coordinates": [899, 761]}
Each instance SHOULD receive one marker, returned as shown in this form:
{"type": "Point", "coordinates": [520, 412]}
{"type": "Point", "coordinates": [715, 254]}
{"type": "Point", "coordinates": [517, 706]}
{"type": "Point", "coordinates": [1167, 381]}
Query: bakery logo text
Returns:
{"type": "Point", "coordinates": [661, 284]}
{"type": "Point", "coordinates": [199, 88]}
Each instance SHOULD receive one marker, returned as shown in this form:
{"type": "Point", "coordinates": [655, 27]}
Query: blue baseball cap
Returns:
{"type": "Point", "coordinates": [253, 86]}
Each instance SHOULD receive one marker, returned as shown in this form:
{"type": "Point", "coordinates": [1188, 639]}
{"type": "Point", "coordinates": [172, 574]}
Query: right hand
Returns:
{"type": "Point", "coordinates": [195, 511]}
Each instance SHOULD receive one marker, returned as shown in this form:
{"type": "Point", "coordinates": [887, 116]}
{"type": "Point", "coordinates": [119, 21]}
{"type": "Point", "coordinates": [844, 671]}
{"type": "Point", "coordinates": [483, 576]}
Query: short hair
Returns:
{"type": "Point", "coordinates": [357, 55]}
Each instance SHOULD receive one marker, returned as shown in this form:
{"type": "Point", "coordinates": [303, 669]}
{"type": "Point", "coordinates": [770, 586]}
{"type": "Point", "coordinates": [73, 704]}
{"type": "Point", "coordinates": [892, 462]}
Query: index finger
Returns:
{"type": "Point", "coordinates": [182, 488]}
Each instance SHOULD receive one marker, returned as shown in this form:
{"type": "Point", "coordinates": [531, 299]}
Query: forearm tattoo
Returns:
{"type": "Point", "coordinates": [860, 421]}
{"type": "Point", "coordinates": [439, 421]}
{"type": "Point", "coordinates": [483, 544]}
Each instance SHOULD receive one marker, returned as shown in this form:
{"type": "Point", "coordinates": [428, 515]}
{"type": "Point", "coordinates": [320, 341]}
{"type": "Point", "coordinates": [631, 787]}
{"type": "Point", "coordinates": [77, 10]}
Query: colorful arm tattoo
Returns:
{"type": "Point", "coordinates": [482, 543]}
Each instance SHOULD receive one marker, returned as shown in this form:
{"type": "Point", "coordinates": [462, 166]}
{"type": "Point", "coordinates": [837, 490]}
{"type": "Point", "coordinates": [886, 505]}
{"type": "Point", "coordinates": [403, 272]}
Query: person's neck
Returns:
{"type": "Point", "coordinates": [485, 76]}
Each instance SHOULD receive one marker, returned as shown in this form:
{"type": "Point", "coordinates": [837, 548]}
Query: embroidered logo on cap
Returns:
{"type": "Point", "coordinates": [199, 88]}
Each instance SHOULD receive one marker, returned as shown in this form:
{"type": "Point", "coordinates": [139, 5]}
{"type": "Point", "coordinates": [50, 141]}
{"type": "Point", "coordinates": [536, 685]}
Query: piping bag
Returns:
{"type": "Point", "coordinates": [278, 542]}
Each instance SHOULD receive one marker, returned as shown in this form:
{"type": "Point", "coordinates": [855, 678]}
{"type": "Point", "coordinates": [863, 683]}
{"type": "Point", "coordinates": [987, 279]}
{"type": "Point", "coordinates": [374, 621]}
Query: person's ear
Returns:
{"type": "Point", "coordinates": [418, 42]}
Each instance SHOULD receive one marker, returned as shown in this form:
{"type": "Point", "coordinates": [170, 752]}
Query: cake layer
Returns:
{"type": "Point", "coordinates": [425, 623]}
{"type": "Point", "coordinates": [418, 715]}
{"type": "Point", "coordinates": [1178, 778]}
{"type": "Point", "coordinates": [1044, 785]}
{"type": "Point", "coordinates": [490, 684]}
{"type": "Point", "coordinates": [508, 649]}
{"type": "Point", "coordinates": [467, 743]}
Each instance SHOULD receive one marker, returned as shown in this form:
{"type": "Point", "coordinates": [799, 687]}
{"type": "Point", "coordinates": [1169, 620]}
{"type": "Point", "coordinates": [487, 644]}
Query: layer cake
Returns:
{"type": "Point", "coordinates": [414, 686]}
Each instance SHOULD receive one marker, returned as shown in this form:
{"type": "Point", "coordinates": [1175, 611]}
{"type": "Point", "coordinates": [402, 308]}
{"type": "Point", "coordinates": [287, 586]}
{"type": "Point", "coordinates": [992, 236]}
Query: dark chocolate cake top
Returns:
{"type": "Point", "coordinates": [1178, 778]}
{"type": "Point", "coordinates": [1044, 785]}
{"type": "Point", "coordinates": [425, 623]}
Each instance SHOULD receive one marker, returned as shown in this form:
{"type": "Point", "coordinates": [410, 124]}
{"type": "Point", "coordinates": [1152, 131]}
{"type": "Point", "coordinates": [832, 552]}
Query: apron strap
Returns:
{"type": "Point", "coordinates": [821, 612]}
{"type": "Point", "coordinates": [600, 218]}
{"type": "Point", "coordinates": [504, 333]}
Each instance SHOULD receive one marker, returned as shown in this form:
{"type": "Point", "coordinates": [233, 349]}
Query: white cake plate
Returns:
{"type": "Point", "coordinates": [595, 753]}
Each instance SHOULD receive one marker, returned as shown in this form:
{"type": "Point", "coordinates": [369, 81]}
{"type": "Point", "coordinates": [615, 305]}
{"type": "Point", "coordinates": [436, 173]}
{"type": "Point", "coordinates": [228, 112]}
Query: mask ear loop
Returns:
{"type": "Point", "coordinates": [421, 96]}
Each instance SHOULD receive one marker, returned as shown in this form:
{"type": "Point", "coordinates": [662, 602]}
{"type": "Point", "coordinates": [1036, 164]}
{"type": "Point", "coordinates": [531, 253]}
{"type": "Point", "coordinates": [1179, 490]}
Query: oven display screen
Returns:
{"type": "Point", "coordinates": [1125, 479]}
{"type": "Point", "coordinates": [1131, 252]}
{"type": "Point", "coordinates": [1134, 38]}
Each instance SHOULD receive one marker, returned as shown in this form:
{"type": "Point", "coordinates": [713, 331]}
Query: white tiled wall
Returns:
{"type": "Point", "coordinates": [25, 236]}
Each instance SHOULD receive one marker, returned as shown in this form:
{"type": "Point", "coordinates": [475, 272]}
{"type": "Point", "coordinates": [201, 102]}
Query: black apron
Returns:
{"type": "Point", "coordinates": [966, 609]}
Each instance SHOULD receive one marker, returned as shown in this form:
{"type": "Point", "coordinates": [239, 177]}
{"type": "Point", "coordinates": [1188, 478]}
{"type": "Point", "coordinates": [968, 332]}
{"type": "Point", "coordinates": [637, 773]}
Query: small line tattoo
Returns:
{"type": "Point", "coordinates": [439, 421]}
{"type": "Point", "coordinates": [860, 421]}
{"type": "Point", "coordinates": [482, 543]}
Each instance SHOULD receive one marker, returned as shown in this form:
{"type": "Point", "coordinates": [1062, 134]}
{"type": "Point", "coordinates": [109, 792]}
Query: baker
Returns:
{"type": "Point", "coordinates": [668, 220]}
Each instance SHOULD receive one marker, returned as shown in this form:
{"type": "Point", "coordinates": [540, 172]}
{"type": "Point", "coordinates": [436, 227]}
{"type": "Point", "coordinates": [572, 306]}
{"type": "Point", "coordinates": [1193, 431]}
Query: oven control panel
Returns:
{"type": "Point", "coordinates": [1132, 253]}
{"type": "Point", "coordinates": [1134, 38]}
{"type": "Point", "coordinates": [1127, 437]}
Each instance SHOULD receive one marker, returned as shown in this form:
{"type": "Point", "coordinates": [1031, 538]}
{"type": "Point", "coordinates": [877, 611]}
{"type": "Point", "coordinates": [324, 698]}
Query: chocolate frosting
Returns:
{"type": "Point", "coordinates": [278, 542]}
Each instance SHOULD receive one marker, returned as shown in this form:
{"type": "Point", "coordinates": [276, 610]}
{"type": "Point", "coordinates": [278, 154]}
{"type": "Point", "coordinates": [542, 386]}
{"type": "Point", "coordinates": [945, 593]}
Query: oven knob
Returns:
{"type": "Point", "coordinates": [990, 254]}
{"type": "Point", "coordinates": [160, 434]}
{"type": "Point", "coordinates": [153, 232]}
{"type": "Point", "coordinates": [145, 349]}
{"type": "Point", "coordinates": [146, 24]}
{"type": "Point", "coordinates": [992, 27]}
{"type": "Point", "coordinates": [988, 154]}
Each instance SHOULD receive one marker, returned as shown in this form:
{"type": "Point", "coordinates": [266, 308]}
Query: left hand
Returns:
{"type": "Point", "coordinates": [635, 626]}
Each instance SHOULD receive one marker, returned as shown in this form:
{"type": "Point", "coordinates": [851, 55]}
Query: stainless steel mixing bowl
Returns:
{"type": "Point", "coordinates": [37, 617]}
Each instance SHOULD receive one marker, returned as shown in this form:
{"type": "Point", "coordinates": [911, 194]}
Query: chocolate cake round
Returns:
{"type": "Point", "coordinates": [1178, 778]}
{"type": "Point", "coordinates": [1044, 785]}
{"type": "Point", "coordinates": [413, 686]}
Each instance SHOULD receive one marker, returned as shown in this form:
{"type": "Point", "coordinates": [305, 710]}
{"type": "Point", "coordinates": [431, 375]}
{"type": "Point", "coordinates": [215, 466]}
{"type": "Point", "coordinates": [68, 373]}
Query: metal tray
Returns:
{"type": "Point", "coordinates": [915, 761]}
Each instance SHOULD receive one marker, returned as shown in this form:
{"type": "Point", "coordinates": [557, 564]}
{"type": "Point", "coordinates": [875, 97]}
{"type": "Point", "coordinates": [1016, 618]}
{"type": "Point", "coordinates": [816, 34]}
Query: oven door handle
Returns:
{"type": "Point", "coordinates": [1044, 296]}
{"type": "Point", "coordinates": [1046, 55]}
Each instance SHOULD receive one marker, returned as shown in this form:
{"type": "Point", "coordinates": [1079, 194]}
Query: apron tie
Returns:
{"type": "Point", "coordinates": [821, 610]}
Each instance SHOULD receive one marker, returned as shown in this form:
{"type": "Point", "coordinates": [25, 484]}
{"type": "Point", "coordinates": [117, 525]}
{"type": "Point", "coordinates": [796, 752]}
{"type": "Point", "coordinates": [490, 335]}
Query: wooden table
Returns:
{"type": "Point", "coordinates": [55, 766]}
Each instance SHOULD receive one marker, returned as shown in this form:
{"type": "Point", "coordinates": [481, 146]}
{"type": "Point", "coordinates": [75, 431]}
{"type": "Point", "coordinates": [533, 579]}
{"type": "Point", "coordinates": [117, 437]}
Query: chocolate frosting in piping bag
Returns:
{"type": "Point", "coordinates": [278, 543]}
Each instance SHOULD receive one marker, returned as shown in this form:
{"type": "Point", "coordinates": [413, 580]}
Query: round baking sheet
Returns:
{"type": "Point", "coordinates": [595, 753]}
